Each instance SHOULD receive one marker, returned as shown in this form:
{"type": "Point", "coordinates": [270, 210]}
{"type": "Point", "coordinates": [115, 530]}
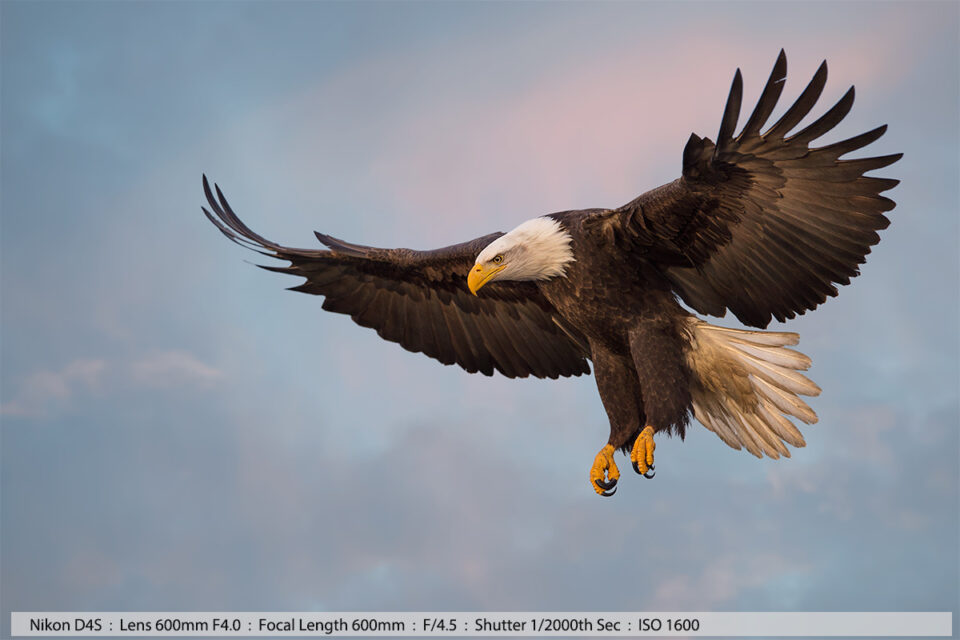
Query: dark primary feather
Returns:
{"type": "Point", "coordinates": [420, 300]}
{"type": "Point", "coordinates": [762, 224]}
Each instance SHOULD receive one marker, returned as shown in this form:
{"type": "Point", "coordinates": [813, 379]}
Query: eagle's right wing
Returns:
{"type": "Point", "coordinates": [420, 300]}
{"type": "Point", "coordinates": [761, 224]}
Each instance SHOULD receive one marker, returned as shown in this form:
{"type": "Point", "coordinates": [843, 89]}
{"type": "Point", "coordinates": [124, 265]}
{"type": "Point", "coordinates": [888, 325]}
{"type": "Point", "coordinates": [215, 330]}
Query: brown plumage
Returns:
{"type": "Point", "coordinates": [761, 224]}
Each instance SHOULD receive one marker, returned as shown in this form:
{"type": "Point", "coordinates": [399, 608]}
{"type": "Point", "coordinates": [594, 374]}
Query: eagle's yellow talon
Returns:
{"type": "Point", "coordinates": [604, 467]}
{"type": "Point", "coordinates": [642, 453]}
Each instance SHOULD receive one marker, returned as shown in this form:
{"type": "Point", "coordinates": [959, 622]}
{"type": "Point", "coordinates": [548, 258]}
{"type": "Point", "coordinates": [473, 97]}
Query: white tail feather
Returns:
{"type": "Point", "coordinates": [785, 401]}
{"type": "Point", "coordinates": [771, 338]}
{"type": "Point", "coordinates": [745, 383]}
{"type": "Point", "coordinates": [781, 356]}
{"type": "Point", "coordinates": [781, 426]}
{"type": "Point", "coordinates": [720, 428]}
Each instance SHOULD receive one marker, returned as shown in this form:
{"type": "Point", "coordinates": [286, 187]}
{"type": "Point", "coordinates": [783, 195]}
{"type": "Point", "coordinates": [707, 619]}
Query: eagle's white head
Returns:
{"type": "Point", "coordinates": [538, 249]}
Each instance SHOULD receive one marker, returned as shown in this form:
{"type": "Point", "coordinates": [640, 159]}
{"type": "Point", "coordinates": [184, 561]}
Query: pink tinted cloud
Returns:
{"type": "Point", "coordinates": [596, 133]}
{"type": "Point", "coordinates": [442, 156]}
{"type": "Point", "coordinates": [588, 136]}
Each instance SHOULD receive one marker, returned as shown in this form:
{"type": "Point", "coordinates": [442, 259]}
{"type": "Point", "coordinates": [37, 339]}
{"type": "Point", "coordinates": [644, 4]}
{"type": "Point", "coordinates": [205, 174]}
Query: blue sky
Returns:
{"type": "Point", "coordinates": [179, 432]}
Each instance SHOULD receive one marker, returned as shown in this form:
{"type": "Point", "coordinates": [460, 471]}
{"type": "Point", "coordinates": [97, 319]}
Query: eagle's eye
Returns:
{"type": "Point", "coordinates": [498, 259]}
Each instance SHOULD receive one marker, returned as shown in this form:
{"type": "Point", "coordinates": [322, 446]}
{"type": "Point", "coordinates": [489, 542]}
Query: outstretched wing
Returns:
{"type": "Point", "coordinates": [761, 223]}
{"type": "Point", "coordinates": [420, 300]}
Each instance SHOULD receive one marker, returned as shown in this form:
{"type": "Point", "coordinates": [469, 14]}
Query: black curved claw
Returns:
{"type": "Point", "coordinates": [645, 475]}
{"type": "Point", "coordinates": [606, 485]}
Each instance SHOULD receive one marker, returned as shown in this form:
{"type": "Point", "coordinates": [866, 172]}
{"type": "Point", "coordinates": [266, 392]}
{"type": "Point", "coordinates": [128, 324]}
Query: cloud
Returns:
{"type": "Point", "coordinates": [172, 368]}
{"type": "Point", "coordinates": [44, 391]}
{"type": "Point", "coordinates": [540, 146]}
{"type": "Point", "coordinates": [582, 131]}
{"type": "Point", "coordinates": [721, 581]}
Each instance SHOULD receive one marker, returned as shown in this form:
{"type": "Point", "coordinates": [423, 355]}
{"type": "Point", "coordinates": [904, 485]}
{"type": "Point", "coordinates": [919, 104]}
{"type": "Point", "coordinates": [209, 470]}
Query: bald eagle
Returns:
{"type": "Point", "coordinates": [760, 224]}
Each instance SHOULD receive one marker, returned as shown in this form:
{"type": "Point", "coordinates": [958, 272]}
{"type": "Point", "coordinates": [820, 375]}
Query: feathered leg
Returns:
{"type": "Point", "coordinates": [657, 349]}
{"type": "Point", "coordinates": [620, 393]}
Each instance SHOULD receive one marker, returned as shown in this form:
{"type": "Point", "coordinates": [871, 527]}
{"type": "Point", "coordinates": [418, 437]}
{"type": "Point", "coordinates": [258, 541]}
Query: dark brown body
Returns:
{"type": "Point", "coordinates": [636, 337]}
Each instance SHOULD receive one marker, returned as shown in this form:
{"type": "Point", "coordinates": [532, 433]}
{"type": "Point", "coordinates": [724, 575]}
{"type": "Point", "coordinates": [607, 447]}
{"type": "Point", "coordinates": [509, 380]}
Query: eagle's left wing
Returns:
{"type": "Point", "coordinates": [761, 223]}
{"type": "Point", "coordinates": [420, 300]}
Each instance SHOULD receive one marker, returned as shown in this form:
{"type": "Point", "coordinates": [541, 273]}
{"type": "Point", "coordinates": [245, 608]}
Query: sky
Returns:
{"type": "Point", "coordinates": [181, 433]}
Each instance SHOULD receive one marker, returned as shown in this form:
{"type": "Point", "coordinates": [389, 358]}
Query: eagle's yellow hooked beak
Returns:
{"type": "Point", "coordinates": [479, 275]}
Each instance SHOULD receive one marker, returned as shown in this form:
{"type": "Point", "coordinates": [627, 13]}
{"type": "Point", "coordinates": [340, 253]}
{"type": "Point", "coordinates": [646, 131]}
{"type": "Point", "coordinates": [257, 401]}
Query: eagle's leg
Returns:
{"type": "Point", "coordinates": [642, 453]}
{"type": "Point", "coordinates": [620, 393]}
{"type": "Point", "coordinates": [604, 467]}
{"type": "Point", "coordinates": [656, 344]}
